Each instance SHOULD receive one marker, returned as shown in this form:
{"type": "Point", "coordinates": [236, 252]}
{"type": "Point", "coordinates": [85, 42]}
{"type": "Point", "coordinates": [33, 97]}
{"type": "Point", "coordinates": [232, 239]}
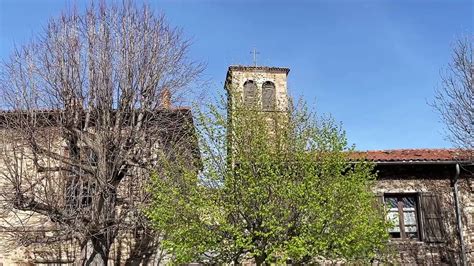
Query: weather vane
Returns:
{"type": "Point", "coordinates": [255, 53]}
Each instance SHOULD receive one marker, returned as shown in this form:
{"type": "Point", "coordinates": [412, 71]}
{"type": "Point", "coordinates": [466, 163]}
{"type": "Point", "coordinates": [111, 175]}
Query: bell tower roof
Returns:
{"type": "Point", "coordinates": [258, 69]}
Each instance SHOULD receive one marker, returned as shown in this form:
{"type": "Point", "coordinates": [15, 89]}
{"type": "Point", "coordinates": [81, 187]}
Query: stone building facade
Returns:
{"type": "Point", "coordinates": [428, 193]}
{"type": "Point", "coordinates": [431, 204]}
{"type": "Point", "coordinates": [265, 87]}
{"type": "Point", "coordinates": [30, 238]}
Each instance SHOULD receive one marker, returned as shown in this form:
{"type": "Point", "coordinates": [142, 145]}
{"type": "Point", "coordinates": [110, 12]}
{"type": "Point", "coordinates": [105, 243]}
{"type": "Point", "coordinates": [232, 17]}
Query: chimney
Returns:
{"type": "Point", "coordinates": [165, 98]}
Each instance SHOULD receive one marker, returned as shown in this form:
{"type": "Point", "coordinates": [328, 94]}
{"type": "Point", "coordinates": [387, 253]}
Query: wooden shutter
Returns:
{"type": "Point", "coordinates": [379, 197]}
{"type": "Point", "coordinates": [250, 93]}
{"type": "Point", "coordinates": [378, 203]}
{"type": "Point", "coordinates": [268, 96]}
{"type": "Point", "coordinates": [432, 218]}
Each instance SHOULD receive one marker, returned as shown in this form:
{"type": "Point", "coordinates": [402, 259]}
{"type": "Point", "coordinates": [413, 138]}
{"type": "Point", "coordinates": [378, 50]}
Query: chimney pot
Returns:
{"type": "Point", "coordinates": [165, 98]}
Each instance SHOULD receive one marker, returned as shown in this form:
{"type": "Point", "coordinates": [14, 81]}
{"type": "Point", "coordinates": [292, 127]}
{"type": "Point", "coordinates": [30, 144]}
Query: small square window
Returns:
{"type": "Point", "coordinates": [403, 212]}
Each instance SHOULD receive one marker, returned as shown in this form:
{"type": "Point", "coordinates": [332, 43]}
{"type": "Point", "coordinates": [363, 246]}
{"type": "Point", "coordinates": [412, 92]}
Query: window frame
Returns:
{"type": "Point", "coordinates": [250, 91]}
{"type": "Point", "coordinates": [268, 101]}
{"type": "Point", "coordinates": [401, 217]}
{"type": "Point", "coordinates": [78, 191]}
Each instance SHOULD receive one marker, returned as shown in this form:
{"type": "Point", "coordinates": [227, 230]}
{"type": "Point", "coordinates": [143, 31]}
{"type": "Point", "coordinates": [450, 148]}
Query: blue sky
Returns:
{"type": "Point", "coordinates": [373, 65]}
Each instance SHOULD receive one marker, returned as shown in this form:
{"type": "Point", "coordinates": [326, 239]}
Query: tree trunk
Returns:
{"type": "Point", "coordinates": [94, 252]}
{"type": "Point", "coordinates": [260, 260]}
{"type": "Point", "coordinates": [143, 248]}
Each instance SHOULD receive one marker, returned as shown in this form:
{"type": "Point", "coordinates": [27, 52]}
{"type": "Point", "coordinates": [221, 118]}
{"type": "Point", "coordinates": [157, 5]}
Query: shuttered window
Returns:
{"type": "Point", "coordinates": [78, 186]}
{"type": "Point", "coordinates": [250, 93]}
{"type": "Point", "coordinates": [268, 96]}
{"type": "Point", "coordinates": [416, 216]}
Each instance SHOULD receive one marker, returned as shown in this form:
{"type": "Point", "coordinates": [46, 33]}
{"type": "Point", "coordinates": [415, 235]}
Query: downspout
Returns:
{"type": "Point", "coordinates": [458, 215]}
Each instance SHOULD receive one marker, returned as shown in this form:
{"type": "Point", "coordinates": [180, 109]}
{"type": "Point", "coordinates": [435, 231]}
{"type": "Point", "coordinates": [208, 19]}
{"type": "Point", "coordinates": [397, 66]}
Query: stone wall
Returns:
{"type": "Point", "coordinates": [436, 181]}
{"type": "Point", "coordinates": [237, 77]}
{"type": "Point", "coordinates": [467, 193]}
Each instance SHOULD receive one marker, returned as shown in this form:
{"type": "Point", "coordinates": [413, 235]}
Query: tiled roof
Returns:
{"type": "Point", "coordinates": [414, 155]}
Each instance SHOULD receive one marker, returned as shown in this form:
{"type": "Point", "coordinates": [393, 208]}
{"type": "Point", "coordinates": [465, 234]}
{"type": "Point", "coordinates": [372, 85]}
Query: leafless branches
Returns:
{"type": "Point", "coordinates": [454, 100]}
{"type": "Point", "coordinates": [85, 122]}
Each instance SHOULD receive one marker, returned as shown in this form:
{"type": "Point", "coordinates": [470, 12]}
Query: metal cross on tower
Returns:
{"type": "Point", "coordinates": [255, 53]}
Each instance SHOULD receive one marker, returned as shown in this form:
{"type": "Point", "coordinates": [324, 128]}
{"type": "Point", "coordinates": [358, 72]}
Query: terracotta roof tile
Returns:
{"type": "Point", "coordinates": [414, 155]}
{"type": "Point", "coordinates": [259, 68]}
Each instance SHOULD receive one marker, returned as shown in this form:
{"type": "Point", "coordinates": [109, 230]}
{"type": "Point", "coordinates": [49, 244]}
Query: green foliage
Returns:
{"type": "Point", "coordinates": [274, 186]}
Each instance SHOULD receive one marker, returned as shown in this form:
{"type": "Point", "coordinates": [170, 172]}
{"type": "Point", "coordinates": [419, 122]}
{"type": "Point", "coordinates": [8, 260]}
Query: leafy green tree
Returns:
{"type": "Point", "coordinates": [273, 187]}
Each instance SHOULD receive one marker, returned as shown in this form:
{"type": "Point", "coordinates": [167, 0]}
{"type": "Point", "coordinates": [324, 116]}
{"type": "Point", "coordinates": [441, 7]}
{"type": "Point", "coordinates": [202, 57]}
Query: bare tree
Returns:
{"type": "Point", "coordinates": [454, 100]}
{"type": "Point", "coordinates": [85, 124]}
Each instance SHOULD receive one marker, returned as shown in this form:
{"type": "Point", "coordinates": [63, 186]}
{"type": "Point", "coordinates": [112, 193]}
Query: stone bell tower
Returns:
{"type": "Point", "coordinates": [261, 87]}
